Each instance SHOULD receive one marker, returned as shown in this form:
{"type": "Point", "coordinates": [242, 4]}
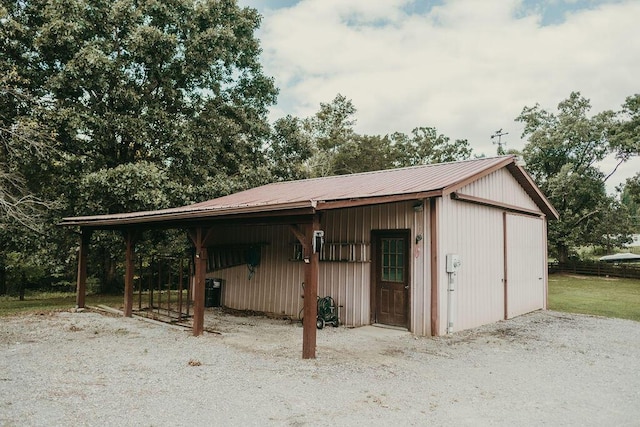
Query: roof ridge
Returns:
{"type": "Point", "coordinates": [390, 170]}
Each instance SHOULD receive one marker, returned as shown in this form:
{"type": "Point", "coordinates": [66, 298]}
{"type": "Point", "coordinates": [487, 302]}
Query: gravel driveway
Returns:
{"type": "Point", "coordinates": [545, 368]}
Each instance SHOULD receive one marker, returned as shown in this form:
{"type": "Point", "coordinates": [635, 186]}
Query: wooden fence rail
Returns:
{"type": "Point", "coordinates": [596, 269]}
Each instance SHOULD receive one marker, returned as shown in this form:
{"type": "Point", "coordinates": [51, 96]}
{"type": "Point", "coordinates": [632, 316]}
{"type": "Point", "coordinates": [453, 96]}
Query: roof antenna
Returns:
{"type": "Point", "coordinates": [499, 134]}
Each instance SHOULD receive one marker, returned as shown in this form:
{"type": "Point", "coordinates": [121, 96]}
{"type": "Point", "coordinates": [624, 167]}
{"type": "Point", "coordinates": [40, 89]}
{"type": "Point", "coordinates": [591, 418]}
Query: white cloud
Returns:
{"type": "Point", "coordinates": [465, 67]}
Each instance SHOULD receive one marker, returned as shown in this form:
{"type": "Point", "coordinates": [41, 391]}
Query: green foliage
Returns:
{"type": "Point", "coordinates": [152, 104]}
{"type": "Point", "coordinates": [363, 153]}
{"type": "Point", "coordinates": [630, 198]}
{"type": "Point", "coordinates": [126, 188]}
{"type": "Point", "coordinates": [290, 149]}
{"type": "Point", "coordinates": [625, 136]}
{"type": "Point", "coordinates": [561, 155]}
{"type": "Point", "coordinates": [326, 144]}
{"type": "Point", "coordinates": [426, 146]}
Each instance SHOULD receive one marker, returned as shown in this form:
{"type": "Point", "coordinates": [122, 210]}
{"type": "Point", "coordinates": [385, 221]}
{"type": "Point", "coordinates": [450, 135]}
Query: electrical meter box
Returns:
{"type": "Point", "coordinates": [453, 263]}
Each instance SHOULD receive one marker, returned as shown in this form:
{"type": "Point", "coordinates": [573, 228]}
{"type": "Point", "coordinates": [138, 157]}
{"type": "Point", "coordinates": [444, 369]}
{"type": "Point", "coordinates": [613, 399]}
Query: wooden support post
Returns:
{"type": "Point", "coordinates": [311, 269]}
{"type": "Point", "coordinates": [129, 237]}
{"type": "Point", "coordinates": [434, 226]}
{"type": "Point", "coordinates": [198, 237]}
{"type": "Point", "coordinates": [81, 286]}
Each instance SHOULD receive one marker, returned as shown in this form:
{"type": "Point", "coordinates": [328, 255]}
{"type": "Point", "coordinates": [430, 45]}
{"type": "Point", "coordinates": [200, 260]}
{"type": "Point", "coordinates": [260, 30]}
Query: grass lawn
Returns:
{"type": "Point", "coordinates": [52, 301]}
{"type": "Point", "coordinates": [610, 297]}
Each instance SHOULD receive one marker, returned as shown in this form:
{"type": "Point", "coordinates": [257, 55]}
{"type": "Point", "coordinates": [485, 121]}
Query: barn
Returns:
{"type": "Point", "coordinates": [433, 248]}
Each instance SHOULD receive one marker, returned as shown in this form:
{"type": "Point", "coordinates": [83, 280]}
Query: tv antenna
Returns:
{"type": "Point", "coordinates": [499, 134]}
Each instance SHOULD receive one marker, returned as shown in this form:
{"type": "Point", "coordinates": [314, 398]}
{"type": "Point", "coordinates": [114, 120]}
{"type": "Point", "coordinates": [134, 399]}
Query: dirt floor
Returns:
{"type": "Point", "coordinates": [545, 368]}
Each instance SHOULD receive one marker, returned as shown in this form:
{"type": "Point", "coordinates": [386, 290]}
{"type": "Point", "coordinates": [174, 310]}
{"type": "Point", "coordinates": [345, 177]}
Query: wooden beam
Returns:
{"type": "Point", "coordinates": [198, 237]}
{"type": "Point", "coordinates": [494, 204]}
{"type": "Point", "coordinates": [300, 236]}
{"type": "Point", "coordinates": [81, 286]}
{"type": "Point", "coordinates": [435, 272]}
{"type": "Point", "coordinates": [311, 270]}
{"type": "Point", "coordinates": [130, 242]}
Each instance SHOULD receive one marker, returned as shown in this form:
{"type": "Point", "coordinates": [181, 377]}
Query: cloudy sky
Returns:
{"type": "Point", "coordinates": [466, 67]}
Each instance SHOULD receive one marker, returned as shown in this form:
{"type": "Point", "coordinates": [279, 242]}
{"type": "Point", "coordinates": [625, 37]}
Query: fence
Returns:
{"type": "Point", "coordinates": [594, 268]}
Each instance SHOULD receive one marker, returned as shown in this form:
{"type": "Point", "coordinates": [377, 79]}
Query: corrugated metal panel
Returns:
{"type": "Point", "coordinates": [276, 285]}
{"type": "Point", "coordinates": [474, 233]}
{"type": "Point", "coordinates": [501, 186]}
{"type": "Point", "coordinates": [362, 185]}
{"type": "Point", "coordinates": [420, 298]}
{"type": "Point", "coordinates": [307, 193]}
{"type": "Point", "coordinates": [526, 270]}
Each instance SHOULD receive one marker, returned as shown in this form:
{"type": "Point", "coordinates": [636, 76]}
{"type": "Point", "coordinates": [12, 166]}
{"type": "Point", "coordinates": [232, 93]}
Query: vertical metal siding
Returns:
{"type": "Point", "coordinates": [475, 234]}
{"type": "Point", "coordinates": [526, 272]}
{"type": "Point", "coordinates": [420, 296]}
{"type": "Point", "coordinates": [501, 186]}
{"type": "Point", "coordinates": [349, 283]}
{"type": "Point", "coordinates": [276, 285]}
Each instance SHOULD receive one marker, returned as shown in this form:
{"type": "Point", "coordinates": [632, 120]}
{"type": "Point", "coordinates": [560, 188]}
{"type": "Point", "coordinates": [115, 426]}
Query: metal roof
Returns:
{"type": "Point", "coordinates": [332, 192]}
{"type": "Point", "coordinates": [621, 257]}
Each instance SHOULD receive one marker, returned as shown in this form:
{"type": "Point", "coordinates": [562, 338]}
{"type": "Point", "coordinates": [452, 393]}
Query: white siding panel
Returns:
{"type": "Point", "coordinates": [420, 297]}
{"type": "Point", "coordinates": [526, 270]}
{"type": "Point", "coordinates": [501, 186]}
{"type": "Point", "coordinates": [276, 285]}
{"type": "Point", "coordinates": [475, 233]}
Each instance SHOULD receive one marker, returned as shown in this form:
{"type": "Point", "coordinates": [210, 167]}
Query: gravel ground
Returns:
{"type": "Point", "coordinates": [545, 368]}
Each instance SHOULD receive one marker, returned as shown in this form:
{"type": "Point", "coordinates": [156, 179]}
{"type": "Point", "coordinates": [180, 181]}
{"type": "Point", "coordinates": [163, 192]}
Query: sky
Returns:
{"type": "Point", "coordinates": [465, 67]}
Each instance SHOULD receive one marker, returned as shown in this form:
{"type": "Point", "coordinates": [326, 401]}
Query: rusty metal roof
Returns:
{"type": "Point", "coordinates": [334, 192]}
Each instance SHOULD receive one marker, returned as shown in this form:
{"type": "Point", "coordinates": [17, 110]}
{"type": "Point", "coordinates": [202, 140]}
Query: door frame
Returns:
{"type": "Point", "coordinates": [375, 260]}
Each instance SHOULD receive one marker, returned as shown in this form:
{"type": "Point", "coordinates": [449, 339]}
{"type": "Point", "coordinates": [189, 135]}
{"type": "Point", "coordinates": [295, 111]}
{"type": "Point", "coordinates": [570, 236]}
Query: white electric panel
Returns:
{"type": "Point", "coordinates": [453, 263]}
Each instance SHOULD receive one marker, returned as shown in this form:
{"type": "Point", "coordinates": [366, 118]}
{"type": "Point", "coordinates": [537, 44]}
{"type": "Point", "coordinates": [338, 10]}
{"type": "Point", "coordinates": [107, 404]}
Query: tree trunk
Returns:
{"type": "Point", "coordinates": [110, 283]}
{"type": "Point", "coordinates": [563, 253]}
{"type": "Point", "coordinates": [3, 275]}
{"type": "Point", "coordinates": [23, 279]}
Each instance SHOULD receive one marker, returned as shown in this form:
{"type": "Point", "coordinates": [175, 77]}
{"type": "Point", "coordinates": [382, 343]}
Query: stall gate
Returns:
{"type": "Point", "coordinates": [162, 288]}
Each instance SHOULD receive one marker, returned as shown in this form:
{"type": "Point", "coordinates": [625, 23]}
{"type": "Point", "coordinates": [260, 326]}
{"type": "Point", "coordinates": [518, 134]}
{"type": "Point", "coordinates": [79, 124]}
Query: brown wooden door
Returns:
{"type": "Point", "coordinates": [392, 278]}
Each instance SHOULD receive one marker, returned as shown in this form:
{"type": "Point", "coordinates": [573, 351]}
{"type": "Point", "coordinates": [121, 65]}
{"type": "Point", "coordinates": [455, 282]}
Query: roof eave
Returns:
{"type": "Point", "coordinates": [523, 178]}
{"type": "Point", "coordinates": [178, 216]}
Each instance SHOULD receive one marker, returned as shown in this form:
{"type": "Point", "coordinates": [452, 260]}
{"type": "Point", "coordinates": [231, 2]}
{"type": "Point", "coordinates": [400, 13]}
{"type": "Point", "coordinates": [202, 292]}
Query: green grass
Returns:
{"type": "Point", "coordinates": [35, 302]}
{"type": "Point", "coordinates": [610, 297]}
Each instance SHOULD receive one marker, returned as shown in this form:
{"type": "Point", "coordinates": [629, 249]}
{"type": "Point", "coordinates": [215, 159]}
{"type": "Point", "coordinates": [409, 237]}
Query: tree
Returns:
{"type": "Point", "coordinates": [26, 149]}
{"type": "Point", "coordinates": [24, 140]}
{"type": "Point", "coordinates": [330, 129]}
{"type": "Point", "coordinates": [172, 89]}
{"type": "Point", "coordinates": [336, 148]}
{"type": "Point", "coordinates": [426, 146]}
{"type": "Point", "coordinates": [561, 155]}
{"type": "Point", "coordinates": [364, 153]}
{"type": "Point", "coordinates": [625, 136]}
{"type": "Point", "coordinates": [630, 197]}
{"type": "Point", "coordinates": [290, 149]}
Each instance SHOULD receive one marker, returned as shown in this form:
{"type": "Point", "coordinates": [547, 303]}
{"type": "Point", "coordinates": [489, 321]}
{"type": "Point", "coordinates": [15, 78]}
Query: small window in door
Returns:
{"type": "Point", "coordinates": [393, 260]}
